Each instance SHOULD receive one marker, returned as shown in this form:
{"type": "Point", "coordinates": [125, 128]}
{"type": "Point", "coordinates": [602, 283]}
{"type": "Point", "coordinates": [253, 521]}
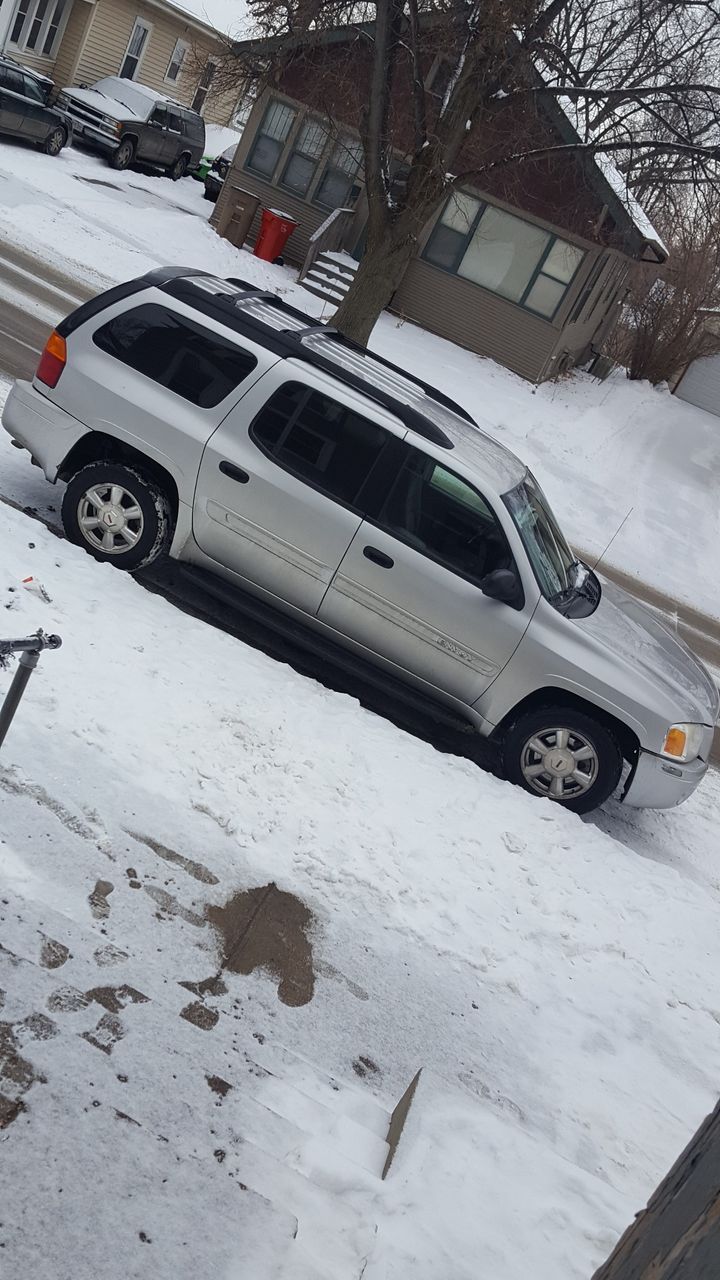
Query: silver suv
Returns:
{"type": "Point", "coordinates": [207, 419]}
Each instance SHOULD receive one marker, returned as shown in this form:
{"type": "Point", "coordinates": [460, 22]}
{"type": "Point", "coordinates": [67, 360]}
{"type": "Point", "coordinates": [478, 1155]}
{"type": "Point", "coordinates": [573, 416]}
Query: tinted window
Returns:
{"type": "Point", "coordinates": [196, 364]}
{"type": "Point", "coordinates": [13, 80]}
{"type": "Point", "coordinates": [159, 116]}
{"type": "Point", "coordinates": [439, 514]}
{"type": "Point", "coordinates": [32, 90]}
{"type": "Point", "coordinates": [174, 122]}
{"type": "Point", "coordinates": [320, 440]}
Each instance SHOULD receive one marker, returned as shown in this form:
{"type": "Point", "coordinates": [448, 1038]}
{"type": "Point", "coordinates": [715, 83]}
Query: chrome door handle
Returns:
{"type": "Point", "coordinates": [378, 557]}
{"type": "Point", "coordinates": [234, 473]}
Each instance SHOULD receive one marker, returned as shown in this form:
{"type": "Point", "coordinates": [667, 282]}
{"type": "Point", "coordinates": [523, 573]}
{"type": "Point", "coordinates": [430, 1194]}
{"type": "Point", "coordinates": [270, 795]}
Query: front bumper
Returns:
{"type": "Point", "coordinates": [92, 135]}
{"type": "Point", "coordinates": [657, 783]}
{"type": "Point", "coordinates": [41, 427]}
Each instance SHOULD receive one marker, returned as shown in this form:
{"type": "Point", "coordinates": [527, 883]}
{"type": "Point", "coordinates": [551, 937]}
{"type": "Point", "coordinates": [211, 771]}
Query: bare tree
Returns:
{"type": "Point", "coordinates": [669, 318]}
{"type": "Point", "coordinates": [451, 92]}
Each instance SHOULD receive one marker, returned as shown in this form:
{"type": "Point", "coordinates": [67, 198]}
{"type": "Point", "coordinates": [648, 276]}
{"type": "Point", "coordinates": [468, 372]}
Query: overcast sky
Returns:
{"type": "Point", "coordinates": [225, 15]}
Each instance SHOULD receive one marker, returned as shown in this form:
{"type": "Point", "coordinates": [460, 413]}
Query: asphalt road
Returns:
{"type": "Point", "coordinates": [32, 301]}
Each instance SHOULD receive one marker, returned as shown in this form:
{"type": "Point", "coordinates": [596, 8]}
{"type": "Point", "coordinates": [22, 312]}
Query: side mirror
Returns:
{"type": "Point", "coordinates": [501, 584]}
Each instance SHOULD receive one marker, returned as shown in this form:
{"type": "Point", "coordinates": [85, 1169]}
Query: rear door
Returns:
{"type": "Point", "coordinates": [11, 100]}
{"type": "Point", "coordinates": [409, 589]}
{"type": "Point", "coordinates": [282, 486]}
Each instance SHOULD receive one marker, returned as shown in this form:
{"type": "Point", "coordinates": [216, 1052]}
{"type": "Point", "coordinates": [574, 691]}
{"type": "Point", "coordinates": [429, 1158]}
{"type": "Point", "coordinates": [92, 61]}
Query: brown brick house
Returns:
{"type": "Point", "coordinates": [530, 269]}
{"type": "Point", "coordinates": [155, 42]}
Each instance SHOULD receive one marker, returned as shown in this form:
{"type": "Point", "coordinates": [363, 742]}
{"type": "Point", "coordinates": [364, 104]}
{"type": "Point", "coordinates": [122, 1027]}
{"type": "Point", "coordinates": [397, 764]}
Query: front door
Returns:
{"type": "Point", "coordinates": [280, 489]}
{"type": "Point", "coordinates": [38, 119]}
{"type": "Point", "coordinates": [409, 588]}
{"type": "Point", "coordinates": [154, 145]}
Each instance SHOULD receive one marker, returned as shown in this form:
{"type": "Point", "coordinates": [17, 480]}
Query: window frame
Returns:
{"type": "Point", "coordinates": [324, 163]}
{"type": "Point", "coordinates": [405, 455]}
{"type": "Point", "coordinates": [29, 19]}
{"type": "Point", "coordinates": [329, 167]}
{"type": "Point", "coordinates": [179, 44]}
{"type": "Point", "coordinates": [284, 142]}
{"type": "Point", "coordinates": [148, 29]}
{"type": "Point", "coordinates": [208, 75]}
{"type": "Point", "coordinates": [293, 139]}
{"type": "Point", "coordinates": [553, 239]}
{"type": "Point", "coordinates": [376, 480]}
{"type": "Point", "coordinates": [189, 323]}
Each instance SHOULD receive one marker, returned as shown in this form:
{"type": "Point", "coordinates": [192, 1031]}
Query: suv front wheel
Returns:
{"type": "Point", "coordinates": [124, 155]}
{"type": "Point", "coordinates": [117, 514]}
{"type": "Point", "coordinates": [562, 754]}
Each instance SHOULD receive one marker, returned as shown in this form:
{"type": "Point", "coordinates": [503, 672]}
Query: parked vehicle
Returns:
{"type": "Point", "coordinates": [24, 112]}
{"type": "Point", "coordinates": [348, 501]}
{"type": "Point", "coordinates": [218, 172]}
{"type": "Point", "coordinates": [129, 122]}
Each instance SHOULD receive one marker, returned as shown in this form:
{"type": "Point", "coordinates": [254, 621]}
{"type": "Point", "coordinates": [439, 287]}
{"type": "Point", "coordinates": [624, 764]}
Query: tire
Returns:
{"type": "Point", "coordinates": [131, 542]}
{"type": "Point", "coordinates": [553, 772]}
{"type": "Point", "coordinates": [55, 141]}
{"type": "Point", "coordinates": [179, 168]}
{"type": "Point", "coordinates": [222, 170]}
{"type": "Point", "coordinates": [124, 156]}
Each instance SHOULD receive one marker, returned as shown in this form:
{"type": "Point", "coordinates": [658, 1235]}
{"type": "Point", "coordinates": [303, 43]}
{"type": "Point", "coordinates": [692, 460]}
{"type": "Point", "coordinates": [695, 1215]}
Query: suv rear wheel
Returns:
{"type": "Point", "coordinates": [117, 514]}
{"type": "Point", "coordinates": [564, 755]}
{"type": "Point", "coordinates": [124, 155]}
{"type": "Point", "coordinates": [180, 168]}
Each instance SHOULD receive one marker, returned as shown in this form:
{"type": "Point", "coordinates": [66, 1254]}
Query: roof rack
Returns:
{"type": "Point", "coordinates": [291, 333]}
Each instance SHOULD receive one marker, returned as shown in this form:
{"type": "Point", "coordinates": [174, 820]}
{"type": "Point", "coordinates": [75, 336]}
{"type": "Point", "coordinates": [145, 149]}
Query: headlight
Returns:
{"type": "Point", "coordinates": [683, 741]}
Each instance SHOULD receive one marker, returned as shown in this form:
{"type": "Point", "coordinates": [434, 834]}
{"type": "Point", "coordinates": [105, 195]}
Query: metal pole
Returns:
{"type": "Point", "coordinates": [29, 650]}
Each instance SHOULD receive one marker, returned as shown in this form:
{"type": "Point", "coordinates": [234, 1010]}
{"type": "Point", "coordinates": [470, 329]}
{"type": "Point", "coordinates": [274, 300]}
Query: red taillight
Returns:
{"type": "Point", "coordinates": [52, 361]}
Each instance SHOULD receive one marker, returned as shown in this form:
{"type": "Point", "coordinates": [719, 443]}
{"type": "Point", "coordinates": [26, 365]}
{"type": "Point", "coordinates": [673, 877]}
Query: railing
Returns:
{"type": "Point", "coordinates": [329, 237]}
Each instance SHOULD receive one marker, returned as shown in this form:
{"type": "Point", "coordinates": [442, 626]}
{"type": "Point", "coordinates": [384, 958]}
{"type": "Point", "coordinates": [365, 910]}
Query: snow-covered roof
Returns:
{"type": "Point", "coordinates": [615, 181]}
{"type": "Point", "coordinates": [227, 16]}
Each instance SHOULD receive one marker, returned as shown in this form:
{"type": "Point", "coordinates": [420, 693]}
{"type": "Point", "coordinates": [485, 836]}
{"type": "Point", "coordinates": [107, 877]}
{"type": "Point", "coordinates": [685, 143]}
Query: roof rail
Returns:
{"type": "Point", "coordinates": [240, 312]}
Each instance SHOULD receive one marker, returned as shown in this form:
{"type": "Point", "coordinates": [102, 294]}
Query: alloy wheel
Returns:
{"type": "Point", "coordinates": [110, 519]}
{"type": "Point", "coordinates": [559, 763]}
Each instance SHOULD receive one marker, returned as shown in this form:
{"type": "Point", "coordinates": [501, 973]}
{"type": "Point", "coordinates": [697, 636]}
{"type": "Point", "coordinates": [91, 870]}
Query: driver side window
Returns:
{"type": "Point", "coordinates": [445, 518]}
{"type": "Point", "coordinates": [159, 117]}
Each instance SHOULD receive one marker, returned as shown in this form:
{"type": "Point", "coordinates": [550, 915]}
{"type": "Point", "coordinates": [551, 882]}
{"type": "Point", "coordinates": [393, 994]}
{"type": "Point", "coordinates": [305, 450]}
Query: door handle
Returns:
{"type": "Point", "coordinates": [234, 473]}
{"type": "Point", "coordinates": [378, 557]}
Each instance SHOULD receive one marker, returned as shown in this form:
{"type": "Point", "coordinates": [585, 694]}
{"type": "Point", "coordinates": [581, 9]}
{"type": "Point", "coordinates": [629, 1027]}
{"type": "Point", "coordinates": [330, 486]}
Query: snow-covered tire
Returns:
{"type": "Point", "coordinates": [563, 743]}
{"type": "Point", "coordinates": [117, 514]}
{"type": "Point", "coordinates": [124, 156]}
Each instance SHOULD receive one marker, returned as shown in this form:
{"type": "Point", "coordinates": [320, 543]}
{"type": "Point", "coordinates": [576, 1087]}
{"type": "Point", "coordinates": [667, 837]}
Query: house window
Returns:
{"type": "Point", "coordinates": [203, 88]}
{"type": "Point", "coordinates": [337, 187]}
{"type": "Point", "coordinates": [37, 25]}
{"type": "Point", "coordinates": [271, 137]}
{"type": "Point", "coordinates": [304, 158]}
{"type": "Point", "coordinates": [503, 253]}
{"type": "Point", "coordinates": [136, 47]}
{"type": "Point", "coordinates": [175, 65]}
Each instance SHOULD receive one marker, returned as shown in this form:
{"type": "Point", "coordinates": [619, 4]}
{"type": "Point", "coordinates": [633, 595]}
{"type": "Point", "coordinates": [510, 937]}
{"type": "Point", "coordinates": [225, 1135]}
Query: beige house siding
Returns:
{"type": "Point", "coordinates": [71, 45]}
{"type": "Point", "coordinates": [107, 42]}
{"type": "Point", "coordinates": [592, 312]}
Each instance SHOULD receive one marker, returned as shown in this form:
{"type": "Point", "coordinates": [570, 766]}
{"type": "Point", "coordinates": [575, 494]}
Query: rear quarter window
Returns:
{"type": "Point", "coordinates": [176, 353]}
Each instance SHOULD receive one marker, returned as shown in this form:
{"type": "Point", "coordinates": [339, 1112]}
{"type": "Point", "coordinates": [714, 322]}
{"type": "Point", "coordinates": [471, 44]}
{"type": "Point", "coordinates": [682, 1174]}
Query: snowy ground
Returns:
{"type": "Point", "coordinates": [555, 973]}
{"type": "Point", "coordinates": [601, 450]}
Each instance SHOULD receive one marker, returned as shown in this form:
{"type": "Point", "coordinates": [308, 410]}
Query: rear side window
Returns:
{"type": "Point", "coordinates": [188, 359]}
{"type": "Point", "coordinates": [319, 440]}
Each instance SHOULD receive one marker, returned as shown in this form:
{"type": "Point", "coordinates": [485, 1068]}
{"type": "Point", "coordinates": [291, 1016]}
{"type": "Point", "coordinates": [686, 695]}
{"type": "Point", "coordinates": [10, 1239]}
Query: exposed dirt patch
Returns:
{"type": "Point", "coordinates": [172, 907]}
{"type": "Point", "coordinates": [53, 955]}
{"type": "Point", "coordinates": [67, 1000]}
{"type": "Point", "coordinates": [109, 955]}
{"type": "Point", "coordinates": [106, 1034]}
{"type": "Point", "coordinates": [98, 899]}
{"type": "Point", "coordinates": [194, 869]}
{"type": "Point", "coordinates": [10, 1109]}
{"type": "Point", "coordinates": [200, 1015]}
{"type": "Point", "coordinates": [266, 928]}
{"type": "Point", "coordinates": [219, 1086]}
{"type": "Point", "coordinates": [213, 986]}
{"type": "Point", "coordinates": [363, 1066]}
{"type": "Point", "coordinates": [114, 999]}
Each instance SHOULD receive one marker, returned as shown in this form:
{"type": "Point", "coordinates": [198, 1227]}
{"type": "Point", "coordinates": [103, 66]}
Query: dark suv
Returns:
{"type": "Point", "coordinates": [24, 112]}
{"type": "Point", "coordinates": [130, 122]}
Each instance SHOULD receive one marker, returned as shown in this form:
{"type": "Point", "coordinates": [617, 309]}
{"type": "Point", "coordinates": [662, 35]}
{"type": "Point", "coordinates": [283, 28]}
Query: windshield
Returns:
{"type": "Point", "coordinates": [134, 99]}
{"type": "Point", "coordinates": [554, 564]}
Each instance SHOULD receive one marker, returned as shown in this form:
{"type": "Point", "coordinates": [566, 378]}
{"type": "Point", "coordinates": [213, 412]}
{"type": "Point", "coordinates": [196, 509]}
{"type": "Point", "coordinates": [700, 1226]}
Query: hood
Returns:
{"type": "Point", "coordinates": [100, 102]}
{"type": "Point", "coordinates": [636, 635]}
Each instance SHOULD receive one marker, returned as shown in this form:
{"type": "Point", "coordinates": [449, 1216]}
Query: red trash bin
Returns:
{"type": "Point", "coordinates": [275, 231]}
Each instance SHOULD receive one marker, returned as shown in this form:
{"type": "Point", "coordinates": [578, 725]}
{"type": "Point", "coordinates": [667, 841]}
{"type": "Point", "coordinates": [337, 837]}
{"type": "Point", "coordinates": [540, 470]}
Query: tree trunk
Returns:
{"type": "Point", "coordinates": [379, 274]}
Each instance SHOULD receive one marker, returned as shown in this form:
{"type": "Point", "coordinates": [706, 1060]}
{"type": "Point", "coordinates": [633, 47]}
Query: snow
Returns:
{"type": "Point", "coordinates": [218, 139]}
{"type": "Point", "coordinates": [551, 971]}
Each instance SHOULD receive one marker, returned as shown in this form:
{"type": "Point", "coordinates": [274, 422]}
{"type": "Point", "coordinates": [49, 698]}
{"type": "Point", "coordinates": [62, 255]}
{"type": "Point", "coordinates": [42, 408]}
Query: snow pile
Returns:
{"type": "Point", "coordinates": [219, 139]}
